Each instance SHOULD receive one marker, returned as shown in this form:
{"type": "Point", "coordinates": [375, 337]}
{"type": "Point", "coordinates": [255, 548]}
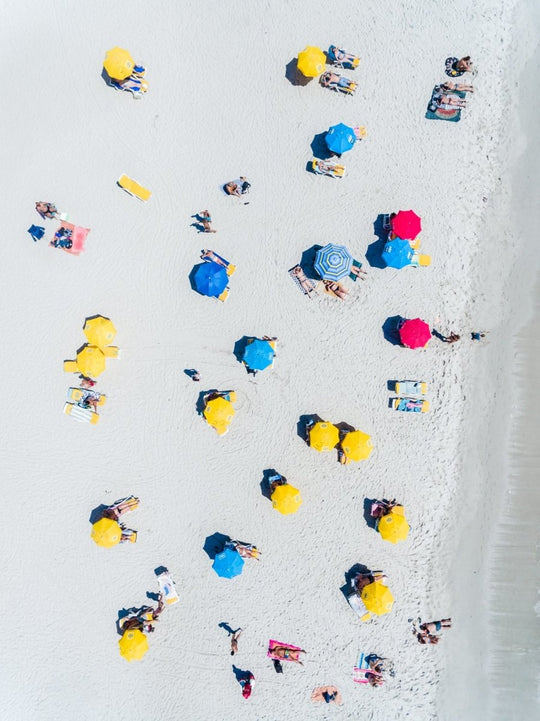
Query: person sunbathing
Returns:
{"type": "Point", "coordinates": [358, 272]}
{"type": "Point", "coordinates": [432, 627]}
{"type": "Point", "coordinates": [246, 550]}
{"type": "Point", "coordinates": [341, 56]}
{"type": "Point", "coordinates": [460, 87]}
{"type": "Point", "coordinates": [117, 509]}
{"type": "Point", "coordinates": [335, 81]}
{"type": "Point", "coordinates": [465, 64]}
{"type": "Point", "coordinates": [446, 101]}
{"type": "Point", "coordinates": [213, 257]}
{"type": "Point", "coordinates": [427, 638]}
{"type": "Point", "coordinates": [382, 508]}
{"type": "Point", "coordinates": [361, 580]}
{"type": "Point", "coordinates": [374, 679]}
{"type": "Point", "coordinates": [288, 654]}
{"type": "Point", "coordinates": [233, 188]}
{"type": "Point", "coordinates": [302, 279]}
{"type": "Point", "coordinates": [46, 210]}
{"type": "Point", "coordinates": [336, 289]}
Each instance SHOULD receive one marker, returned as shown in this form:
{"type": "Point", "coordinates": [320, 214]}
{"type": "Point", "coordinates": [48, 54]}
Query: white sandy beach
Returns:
{"type": "Point", "coordinates": [219, 106]}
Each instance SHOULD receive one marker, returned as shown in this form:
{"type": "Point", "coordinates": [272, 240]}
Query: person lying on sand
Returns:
{"type": "Point", "coordinates": [336, 289]}
{"type": "Point", "coordinates": [234, 641]}
{"type": "Point", "coordinates": [382, 508]}
{"type": "Point", "coordinates": [246, 550]}
{"type": "Point", "coordinates": [436, 626]}
{"type": "Point", "coordinates": [288, 654]}
{"type": "Point", "coordinates": [358, 272]}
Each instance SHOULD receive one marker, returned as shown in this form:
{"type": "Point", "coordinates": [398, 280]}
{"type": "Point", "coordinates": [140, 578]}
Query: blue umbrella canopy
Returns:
{"type": "Point", "coordinates": [333, 262]}
{"type": "Point", "coordinates": [397, 253]}
{"type": "Point", "coordinates": [228, 564]}
{"type": "Point", "coordinates": [258, 354]}
{"type": "Point", "coordinates": [211, 279]}
{"type": "Point", "coordinates": [340, 138]}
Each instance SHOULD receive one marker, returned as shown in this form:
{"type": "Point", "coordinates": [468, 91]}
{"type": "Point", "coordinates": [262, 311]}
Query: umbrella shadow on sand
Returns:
{"type": "Point", "coordinates": [390, 329]}
{"type": "Point", "coordinates": [303, 422]}
{"type": "Point", "coordinates": [200, 404]}
{"type": "Point", "coordinates": [319, 148]}
{"type": "Point", "coordinates": [240, 347]}
{"type": "Point", "coordinates": [346, 590]}
{"type": "Point", "coordinates": [97, 513]}
{"type": "Point", "coordinates": [371, 522]}
{"type": "Point", "coordinates": [294, 76]}
{"type": "Point", "coordinates": [214, 544]}
{"type": "Point", "coordinates": [308, 262]}
{"type": "Point", "coordinates": [265, 482]}
{"type": "Point", "coordinates": [375, 249]}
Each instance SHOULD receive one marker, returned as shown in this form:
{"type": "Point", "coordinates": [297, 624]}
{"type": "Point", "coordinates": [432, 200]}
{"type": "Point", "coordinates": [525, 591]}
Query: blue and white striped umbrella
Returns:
{"type": "Point", "coordinates": [333, 262]}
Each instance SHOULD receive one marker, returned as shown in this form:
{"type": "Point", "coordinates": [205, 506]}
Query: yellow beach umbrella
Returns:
{"type": "Point", "coordinates": [323, 436]}
{"type": "Point", "coordinates": [311, 61]}
{"type": "Point", "coordinates": [286, 499]}
{"type": "Point", "coordinates": [100, 331]}
{"type": "Point", "coordinates": [91, 361]}
{"type": "Point", "coordinates": [219, 412]}
{"type": "Point", "coordinates": [377, 598]}
{"type": "Point", "coordinates": [394, 527]}
{"type": "Point", "coordinates": [106, 532]}
{"type": "Point", "coordinates": [118, 63]}
{"type": "Point", "coordinates": [133, 645]}
{"type": "Point", "coordinates": [357, 446]}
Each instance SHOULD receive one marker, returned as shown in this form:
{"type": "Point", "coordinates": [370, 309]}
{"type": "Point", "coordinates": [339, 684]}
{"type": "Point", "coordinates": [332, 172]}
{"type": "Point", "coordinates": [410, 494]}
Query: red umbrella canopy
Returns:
{"type": "Point", "coordinates": [406, 224]}
{"type": "Point", "coordinates": [415, 333]}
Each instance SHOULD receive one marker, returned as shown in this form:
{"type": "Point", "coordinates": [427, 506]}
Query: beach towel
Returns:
{"type": "Point", "coordinates": [78, 237]}
{"type": "Point", "coordinates": [322, 693]}
{"type": "Point", "coordinates": [311, 282]}
{"type": "Point", "coordinates": [167, 588]}
{"type": "Point", "coordinates": [444, 112]}
{"type": "Point", "coordinates": [272, 644]}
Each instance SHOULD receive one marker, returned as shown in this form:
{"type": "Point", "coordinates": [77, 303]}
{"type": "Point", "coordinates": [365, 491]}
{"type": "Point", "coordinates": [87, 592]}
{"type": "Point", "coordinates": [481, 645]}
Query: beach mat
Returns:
{"type": "Point", "coordinates": [453, 115]}
{"type": "Point", "coordinates": [272, 644]}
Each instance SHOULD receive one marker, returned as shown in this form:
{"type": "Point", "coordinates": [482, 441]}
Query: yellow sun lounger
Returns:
{"type": "Point", "coordinates": [85, 415]}
{"type": "Point", "coordinates": [77, 394]}
{"type": "Point", "coordinates": [133, 188]}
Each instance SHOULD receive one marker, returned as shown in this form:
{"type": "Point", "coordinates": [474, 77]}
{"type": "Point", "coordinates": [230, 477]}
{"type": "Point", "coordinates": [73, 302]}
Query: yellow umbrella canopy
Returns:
{"type": "Point", "coordinates": [357, 445]}
{"type": "Point", "coordinates": [311, 61]}
{"type": "Point", "coordinates": [219, 412]}
{"type": "Point", "coordinates": [91, 361]}
{"type": "Point", "coordinates": [118, 63]}
{"type": "Point", "coordinates": [106, 532]}
{"type": "Point", "coordinates": [286, 499]}
{"type": "Point", "coordinates": [323, 436]}
{"type": "Point", "coordinates": [100, 331]}
{"type": "Point", "coordinates": [394, 527]}
{"type": "Point", "coordinates": [377, 598]}
{"type": "Point", "coordinates": [133, 645]}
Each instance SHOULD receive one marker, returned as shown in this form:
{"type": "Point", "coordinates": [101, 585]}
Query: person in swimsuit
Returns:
{"type": "Point", "coordinates": [288, 654]}
{"type": "Point", "coordinates": [46, 210]}
{"type": "Point", "coordinates": [460, 87]}
{"type": "Point", "coordinates": [234, 641]}
{"type": "Point", "coordinates": [302, 279]}
{"type": "Point", "coordinates": [206, 221]}
{"type": "Point", "coordinates": [213, 257]}
{"type": "Point", "coordinates": [336, 289]}
{"type": "Point", "coordinates": [436, 626]}
{"type": "Point", "coordinates": [335, 81]}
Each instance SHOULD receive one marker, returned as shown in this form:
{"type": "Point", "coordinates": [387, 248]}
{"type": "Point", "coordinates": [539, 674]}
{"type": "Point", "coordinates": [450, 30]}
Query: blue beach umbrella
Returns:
{"type": "Point", "coordinates": [228, 564]}
{"type": "Point", "coordinates": [258, 355]}
{"type": "Point", "coordinates": [333, 262]}
{"type": "Point", "coordinates": [340, 138]}
{"type": "Point", "coordinates": [397, 253]}
{"type": "Point", "coordinates": [211, 279]}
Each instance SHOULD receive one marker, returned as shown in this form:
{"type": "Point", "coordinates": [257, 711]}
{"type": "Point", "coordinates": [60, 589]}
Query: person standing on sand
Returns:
{"type": "Point", "coordinates": [234, 641]}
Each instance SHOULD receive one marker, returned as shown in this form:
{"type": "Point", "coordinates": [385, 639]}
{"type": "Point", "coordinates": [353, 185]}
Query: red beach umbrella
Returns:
{"type": "Point", "coordinates": [415, 333]}
{"type": "Point", "coordinates": [406, 224]}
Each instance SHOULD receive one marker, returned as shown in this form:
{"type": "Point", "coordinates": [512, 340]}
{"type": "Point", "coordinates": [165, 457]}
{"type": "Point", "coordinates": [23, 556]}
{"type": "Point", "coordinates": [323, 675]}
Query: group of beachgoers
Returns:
{"type": "Point", "coordinates": [448, 95]}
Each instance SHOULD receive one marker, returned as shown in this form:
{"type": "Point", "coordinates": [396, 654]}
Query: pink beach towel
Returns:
{"type": "Point", "coordinates": [78, 237]}
{"type": "Point", "coordinates": [272, 644]}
